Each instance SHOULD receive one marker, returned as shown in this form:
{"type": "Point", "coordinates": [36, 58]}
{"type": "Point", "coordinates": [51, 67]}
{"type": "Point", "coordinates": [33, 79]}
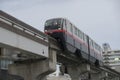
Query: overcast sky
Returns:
{"type": "Point", "coordinates": [100, 19]}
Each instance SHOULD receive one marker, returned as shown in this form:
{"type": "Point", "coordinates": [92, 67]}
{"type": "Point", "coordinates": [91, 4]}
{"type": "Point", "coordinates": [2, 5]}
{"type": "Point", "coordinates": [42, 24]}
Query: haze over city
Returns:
{"type": "Point", "coordinates": [100, 19]}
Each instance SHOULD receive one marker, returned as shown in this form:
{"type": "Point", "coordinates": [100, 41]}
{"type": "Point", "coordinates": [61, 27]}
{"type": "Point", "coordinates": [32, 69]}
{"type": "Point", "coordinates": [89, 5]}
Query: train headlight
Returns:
{"type": "Point", "coordinates": [45, 30]}
{"type": "Point", "coordinates": [59, 28]}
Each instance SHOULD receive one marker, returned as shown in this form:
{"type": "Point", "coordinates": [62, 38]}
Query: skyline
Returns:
{"type": "Point", "coordinates": [98, 19]}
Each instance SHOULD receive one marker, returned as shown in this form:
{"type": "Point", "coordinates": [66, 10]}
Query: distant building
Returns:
{"type": "Point", "coordinates": [112, 59]}
{"type": "Point", "coordinates": [106, 47]}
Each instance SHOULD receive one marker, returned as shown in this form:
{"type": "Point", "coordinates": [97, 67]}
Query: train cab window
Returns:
{"type": "Point", "coordinates": [53, 24]}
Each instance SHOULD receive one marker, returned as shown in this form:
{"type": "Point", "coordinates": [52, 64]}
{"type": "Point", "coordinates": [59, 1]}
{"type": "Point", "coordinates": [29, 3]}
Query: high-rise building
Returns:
{"type": "Point", "coordinates": [112, 59]}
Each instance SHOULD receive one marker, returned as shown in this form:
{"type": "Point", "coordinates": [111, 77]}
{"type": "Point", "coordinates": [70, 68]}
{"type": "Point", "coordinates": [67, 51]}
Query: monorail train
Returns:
{"type": "Point", "coordinates": [73, 40]}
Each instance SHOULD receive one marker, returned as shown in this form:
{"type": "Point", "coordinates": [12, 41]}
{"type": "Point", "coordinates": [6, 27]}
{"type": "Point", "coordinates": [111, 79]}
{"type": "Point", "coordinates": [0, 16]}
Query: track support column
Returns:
{"type": "Point", "coordinates": [78, 72]}
{"type": "Point", "coordinates": [35, 70]}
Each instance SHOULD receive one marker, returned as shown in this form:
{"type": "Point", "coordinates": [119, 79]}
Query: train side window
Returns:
{"type": "Point", "coordinates": [98, 48]}
{"type": "Point", "coordinates": [95, 46]}
{"type": "Point", "coordinates": [92, 44]}
{"type": "Point", "coordinates": [89, 42]}
{"type": "Point", "coordinates": [68, 26]}
{"type": "Point", "coordinates": [0, 51]}
{"type": "Point", "coordinates": [64, 24]}
{"type": "Point", "coordinates": [83, 37]}
{"type": "Point", "coordinates": [79, 33]}
{"type": "Point", "coordinates": [71, 28]}
{"type": "Point", "coordinates": [75, 31]}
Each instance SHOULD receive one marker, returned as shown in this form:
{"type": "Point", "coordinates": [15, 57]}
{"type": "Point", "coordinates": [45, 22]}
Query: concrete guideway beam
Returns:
{"type": "Point", "coordinates": [20, 42]}
{"type": "Point", "coordinates": [19, 35]}
{"type": "Point", "coordinates": [35, 70]}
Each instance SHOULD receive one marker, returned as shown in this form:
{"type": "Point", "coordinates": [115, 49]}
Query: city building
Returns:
{"type": "Point", "coordinates": [106, 47]}
{"type": "Point", "coordinates": [112, 59]}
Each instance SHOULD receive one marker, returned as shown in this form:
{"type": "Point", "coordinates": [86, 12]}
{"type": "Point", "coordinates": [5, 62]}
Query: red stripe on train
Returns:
{"type": "Point", "coordinates": [70, 34]}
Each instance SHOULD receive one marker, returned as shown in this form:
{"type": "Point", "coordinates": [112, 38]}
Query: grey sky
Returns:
{"type": "Point", "coordinates": [100, 19]}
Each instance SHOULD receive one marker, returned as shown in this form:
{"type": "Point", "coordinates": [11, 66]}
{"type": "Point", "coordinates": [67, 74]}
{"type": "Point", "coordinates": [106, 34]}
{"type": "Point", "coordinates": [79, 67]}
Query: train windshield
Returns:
{"type": "Point", "coordinates": [53, 24]}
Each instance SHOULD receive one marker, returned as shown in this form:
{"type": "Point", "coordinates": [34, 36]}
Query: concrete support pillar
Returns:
{"type": "Point", "coordinates": [99, 76]}
{"type": "Point", "coordinates": [95, 76]}
{"type": "Point", "coordinates": [73, 72]}
{"type": "Point", "coordinates": [104, 76]}
{"type": "Point", "coordinates": [35, 70]}
{"type": "Point", "coordinates": [78, 71]}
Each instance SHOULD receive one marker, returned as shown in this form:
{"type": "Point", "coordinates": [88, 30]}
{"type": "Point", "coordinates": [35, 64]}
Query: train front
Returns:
{"type": "Point", "coordinates": [54, 28]}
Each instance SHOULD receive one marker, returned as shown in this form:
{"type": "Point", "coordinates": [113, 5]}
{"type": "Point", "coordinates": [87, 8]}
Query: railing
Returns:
{"type": "Point", "coordinates": [23, 28]}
